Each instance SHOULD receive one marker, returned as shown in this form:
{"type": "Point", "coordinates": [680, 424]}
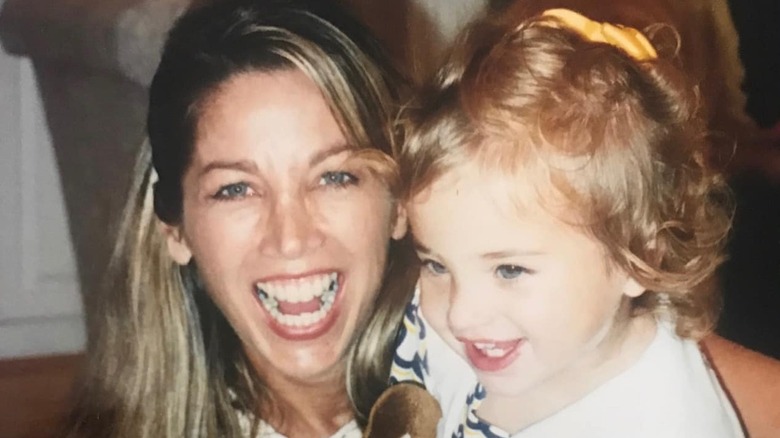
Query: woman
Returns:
{"type": "Point", "coordinates": [242, 280]}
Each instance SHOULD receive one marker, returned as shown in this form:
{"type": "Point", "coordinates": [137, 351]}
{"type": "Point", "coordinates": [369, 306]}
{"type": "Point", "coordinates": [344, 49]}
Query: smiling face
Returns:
{"type": "Point", "coordinates": [530, 302]}
{"type": "Point", "coordinates": [288, 230]}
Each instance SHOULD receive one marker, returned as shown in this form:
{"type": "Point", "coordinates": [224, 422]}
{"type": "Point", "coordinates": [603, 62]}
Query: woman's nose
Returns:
{"type": "Point", "coordinates": [293, 229]}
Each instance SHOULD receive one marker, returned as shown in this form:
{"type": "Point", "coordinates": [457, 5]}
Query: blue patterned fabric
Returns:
{"type": "Point", "coordinates": [410, 364]}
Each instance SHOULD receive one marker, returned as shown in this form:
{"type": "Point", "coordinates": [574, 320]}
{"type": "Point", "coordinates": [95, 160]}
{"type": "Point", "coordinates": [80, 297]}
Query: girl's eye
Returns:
{"type": "Point", "coordinates": [509, 272]}
{"type": "Point", "coordinates": [337, 179]}
{"type": "Point", "coordinates": [233, 191]}
{"type": "Point", "coordinates": [434, 267]}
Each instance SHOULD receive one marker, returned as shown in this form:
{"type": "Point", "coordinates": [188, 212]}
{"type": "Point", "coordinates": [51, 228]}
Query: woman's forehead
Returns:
{"type": "Point", "coordinates": [274, 111]}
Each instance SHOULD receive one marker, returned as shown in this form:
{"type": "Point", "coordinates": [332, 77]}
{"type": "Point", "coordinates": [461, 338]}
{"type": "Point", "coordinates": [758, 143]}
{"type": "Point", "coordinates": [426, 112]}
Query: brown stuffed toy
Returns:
{"type": "Point", "coordinates": [404, 409]}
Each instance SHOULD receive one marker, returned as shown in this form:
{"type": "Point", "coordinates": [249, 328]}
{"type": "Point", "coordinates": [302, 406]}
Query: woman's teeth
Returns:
{"type": "Point", "coordinates": [300, 302]}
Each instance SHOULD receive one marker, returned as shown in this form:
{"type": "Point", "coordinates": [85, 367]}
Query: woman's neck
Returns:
{"type": "Point", "coordinates": [307, 409]}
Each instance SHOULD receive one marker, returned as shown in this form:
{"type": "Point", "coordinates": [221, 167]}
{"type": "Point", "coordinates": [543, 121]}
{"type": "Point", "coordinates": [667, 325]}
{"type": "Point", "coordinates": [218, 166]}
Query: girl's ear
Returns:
{"type": "Point", "coordinates": [632, 288]}
{"type": "Point", "coordinates": [400, 222]}
{"type": "Point", "coordinates": [178, 248]}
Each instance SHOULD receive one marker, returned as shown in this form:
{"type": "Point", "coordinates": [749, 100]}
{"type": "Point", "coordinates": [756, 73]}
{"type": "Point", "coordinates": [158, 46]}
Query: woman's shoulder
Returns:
{"type": "Point", "coordinates": [753, 382]}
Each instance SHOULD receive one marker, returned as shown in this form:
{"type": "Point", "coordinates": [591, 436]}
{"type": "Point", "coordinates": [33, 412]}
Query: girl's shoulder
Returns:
{"type": "Point", "coordinates": [670, 391]}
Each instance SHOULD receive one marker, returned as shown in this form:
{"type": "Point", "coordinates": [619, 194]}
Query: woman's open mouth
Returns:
{"type": "Point", "coordinates": [300, 302]}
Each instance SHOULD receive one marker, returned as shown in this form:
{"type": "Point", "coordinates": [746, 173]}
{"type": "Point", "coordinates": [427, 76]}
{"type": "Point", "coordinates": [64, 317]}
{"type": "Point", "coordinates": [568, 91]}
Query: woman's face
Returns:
{"type": "Point", "coordinates": [288, 230]}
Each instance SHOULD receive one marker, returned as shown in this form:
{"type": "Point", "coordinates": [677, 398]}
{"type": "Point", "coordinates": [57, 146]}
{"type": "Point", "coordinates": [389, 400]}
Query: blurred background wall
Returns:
{"type": "Point", "coordinates": [73, 80]}
{"type": "Point", "coordinates": [751, 276]}
{"type": "Point", "coordinates": [40, 304]}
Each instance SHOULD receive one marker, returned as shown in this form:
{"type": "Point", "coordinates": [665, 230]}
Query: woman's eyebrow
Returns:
{"type": "Point", "coordinates": [328, 152]}
{"type": "Point", "coordinates": [247, 166]}
{"type": "Point", "coordinates": [250, 166]}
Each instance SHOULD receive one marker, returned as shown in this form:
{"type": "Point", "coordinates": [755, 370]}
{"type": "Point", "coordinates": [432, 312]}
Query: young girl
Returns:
{"type": "Point", "coordinates": [565, 219]}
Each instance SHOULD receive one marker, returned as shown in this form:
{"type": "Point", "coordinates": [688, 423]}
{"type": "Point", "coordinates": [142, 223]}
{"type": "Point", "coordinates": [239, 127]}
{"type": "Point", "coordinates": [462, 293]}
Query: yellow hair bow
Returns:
{"type": "Point", "coordinates": [628, 39]}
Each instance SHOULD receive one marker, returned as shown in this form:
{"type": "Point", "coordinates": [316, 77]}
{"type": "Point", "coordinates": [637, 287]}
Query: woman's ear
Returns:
{"type": "Point", "coordinates": [400, 222]}
{"type": "Point", "coordinates": [178, 248]}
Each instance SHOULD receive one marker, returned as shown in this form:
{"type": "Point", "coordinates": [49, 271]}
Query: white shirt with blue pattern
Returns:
{"type": "Point", "coordinates": [670, 392]}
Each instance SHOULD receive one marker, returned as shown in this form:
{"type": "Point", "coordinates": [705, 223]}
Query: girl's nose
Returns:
{"type": "Point", "coordinates": [469, 309]}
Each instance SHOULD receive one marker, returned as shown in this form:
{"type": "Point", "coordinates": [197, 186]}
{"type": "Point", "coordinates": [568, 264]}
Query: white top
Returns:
{"type": "Point", "coordinates": [671, 391]}
{"type": "Point", "coordinates": [265, 430]}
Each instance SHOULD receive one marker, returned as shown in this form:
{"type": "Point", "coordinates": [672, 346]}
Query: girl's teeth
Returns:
{"type": "Point", "coordinates": [490, 349]}
{"type": "Point", "coordinates": [494, 352]}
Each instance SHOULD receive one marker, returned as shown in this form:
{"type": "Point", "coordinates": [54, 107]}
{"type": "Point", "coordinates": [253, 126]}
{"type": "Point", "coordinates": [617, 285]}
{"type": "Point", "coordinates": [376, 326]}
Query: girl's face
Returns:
{"type": "Point", "coordinates": [531, 303]}
{"type": "Point", "coordinates": [289, 234]}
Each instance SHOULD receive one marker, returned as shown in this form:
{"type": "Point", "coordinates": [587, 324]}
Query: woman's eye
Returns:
{"type": "Point", "coordinates": [434, 267]}
{"type": "Point", "coordinates": [509, 272]}
{"type": "Point", "coordinates": [233, 191]}
{"type": "Point", "coordinates": [337, 179]}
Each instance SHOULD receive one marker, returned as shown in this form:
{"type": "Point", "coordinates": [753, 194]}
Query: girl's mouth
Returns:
{"type": "Point", "coordinates": [492, 356]}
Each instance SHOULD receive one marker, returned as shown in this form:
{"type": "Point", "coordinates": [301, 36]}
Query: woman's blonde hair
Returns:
{"type": "Point", "coordinates": [163, 361]}
{"type": "Point", "coordinates": [618, 140]}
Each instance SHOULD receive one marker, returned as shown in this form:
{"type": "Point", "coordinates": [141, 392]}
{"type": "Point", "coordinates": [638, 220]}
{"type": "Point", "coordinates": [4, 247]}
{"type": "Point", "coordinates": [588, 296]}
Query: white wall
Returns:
{"type": "Point", "coordinates": [40, 306]}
